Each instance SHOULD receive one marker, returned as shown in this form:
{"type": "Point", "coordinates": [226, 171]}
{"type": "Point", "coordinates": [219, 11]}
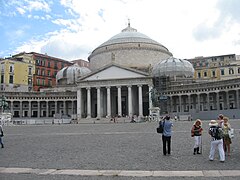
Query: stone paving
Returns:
{"type": "Point", "coordinates": [110, 151]}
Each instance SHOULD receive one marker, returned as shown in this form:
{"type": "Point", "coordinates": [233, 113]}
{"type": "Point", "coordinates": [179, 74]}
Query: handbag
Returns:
{"type": "Point", "coordinates": [160, 128]}
{"type": "Point", "coordinates": [231, 133]}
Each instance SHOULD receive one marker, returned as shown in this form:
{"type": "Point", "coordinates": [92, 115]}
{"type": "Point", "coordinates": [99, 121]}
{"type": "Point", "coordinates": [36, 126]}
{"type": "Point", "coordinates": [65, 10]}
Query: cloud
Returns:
{"type": "Point", "coordinates": [228, 14]}
{"type": "Point", "coordinates": [37, 5]}
{"type": "Point", "coordinates": [65, 50]}
{"type": "Point", "coordinates": [21, 10]}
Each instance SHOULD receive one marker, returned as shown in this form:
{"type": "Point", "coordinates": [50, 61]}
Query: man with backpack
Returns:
{"type": "Point", "coordinates": [217, 140]}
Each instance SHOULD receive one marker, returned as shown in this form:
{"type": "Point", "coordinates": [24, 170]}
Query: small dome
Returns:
{"type": "Point", "coordinates": [173, 67]}
{"type": "Point", "coordinates": [70, 74]}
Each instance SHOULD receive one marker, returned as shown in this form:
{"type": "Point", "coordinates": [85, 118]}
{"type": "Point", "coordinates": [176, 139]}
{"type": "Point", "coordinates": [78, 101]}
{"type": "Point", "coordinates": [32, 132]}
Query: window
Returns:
{"type": "Point", "coordinates": [205, 74]}
{"type": "Point", "coordinates": [49, 64]}
{"type": "Point", "coordinates": [29, 81]}
{"type": "Point", "coordinates": [11, 69]}
{"type": "Point", "coordinates": [2, 78]}
{"type": "Point", "coordinates": [213, 73]}
{"type": "Point", "coordinates": [38, 72]}
{"type": "Point", "coordinates": [55, 65]}
{"type": "Point", "coordinates": [222, 72]}
{"type": "Point", "coordinates": [49, 73]}
{"type": "Point", "coordinates": [49, 82]}
{"type": "Point", "coordinates": [231, 71]}
{"type": "Point", "coordinates": [43, 82]}
{"type": "Point", "coordinates": [38, 82]}
{"type": "Point", "coordinates": [11, 79]}
{"type": "Point", "coordinates": [43, 63]}
{"type": "Point", "coordinates": [62, 65]}
{"type": "Point", "coordinates": [43, 72]}
{"type": "Point", "coordinates": [2, 67]}
{"type": "Point", "coordinates": [29, 71]}
{"type": "Point", "coordinates": [199, 75]}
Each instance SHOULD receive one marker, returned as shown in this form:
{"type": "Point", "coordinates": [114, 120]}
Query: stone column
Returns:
{"type": "Point", "coordinates": [130, 101]}
{"type": "Point", "coordinates": [171, 104]}
{"type": "Point", "coordinates": [39, 109]}
{"type": "Point", "coordinates": [119, 101]}
{"type": "Point", "coordinates": [88, 102]}
{"type": "Point", "coordinates": [109, 102]}
{"type": "Point", "coordinates": [227, 100]}
{"type": "Point", "coordinates": [72, 107]}
{"type": "Point", "coordinates": [29, 109]}
{"type": "Point", "coordinates": [237, 99]}
{"type": "Point", "coordinates": [140, 98]}
{"type": "Point", "coordinates": [56, 107]}
{"type": "Point", "coordinates": [98, 102]}
{"type": "Point", "coordinates": [150, 88]}
{"type": "Point", "coordinates": [64, 107]}
{"type": "Point", "coordinates": [79, 103]}
{"type": "Point", "coordinates": [180, 103]}
{"type": "Point", "coordinates": [47, 109]}
{"type": "Point", "coordinates": [189, 102]}
{"type": "Point", "coordinates": [12, 108]}
{"type": "Point", "coordinates": [198, 102]}
{"type": "Point", "coordinates": [21, 110]}
{"type": "Point", "coordinates": [217, 99]}
{"type": "Point", "coordinates": [208, 101]}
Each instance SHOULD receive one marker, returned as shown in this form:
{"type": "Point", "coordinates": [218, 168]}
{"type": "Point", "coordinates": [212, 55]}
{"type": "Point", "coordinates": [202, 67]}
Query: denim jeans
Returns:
{"type": "Point", "coordinates": [166, 144]}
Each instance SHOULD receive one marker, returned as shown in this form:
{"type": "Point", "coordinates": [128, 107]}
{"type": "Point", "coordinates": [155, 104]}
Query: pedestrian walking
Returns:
{"type": "Point", "coordinates": [166, 135]}
{"type": "Point", "coordinates": [216, 140]}
{"type": "Point", "coordinates": [226, 138]}
{"type": "Point", "coordinates": [196, 132]}
{"type": "Point", "coordinates": [1, 135]}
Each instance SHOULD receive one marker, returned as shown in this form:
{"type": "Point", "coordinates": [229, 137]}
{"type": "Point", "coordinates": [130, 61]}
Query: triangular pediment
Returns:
{"type": "Point", "coordinates": [114, 72]}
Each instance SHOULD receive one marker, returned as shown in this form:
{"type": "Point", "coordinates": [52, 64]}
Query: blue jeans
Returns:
{"type": "Point", "coordinates": [166, 144]}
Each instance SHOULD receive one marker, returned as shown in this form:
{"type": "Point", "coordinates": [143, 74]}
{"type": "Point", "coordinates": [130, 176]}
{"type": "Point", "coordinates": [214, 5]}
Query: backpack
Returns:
{"type": "Point", "coordinates": [216, 132]}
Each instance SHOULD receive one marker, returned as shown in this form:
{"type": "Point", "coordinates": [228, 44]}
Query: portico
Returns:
{"type": "Point", "coordinates": [114, 91]}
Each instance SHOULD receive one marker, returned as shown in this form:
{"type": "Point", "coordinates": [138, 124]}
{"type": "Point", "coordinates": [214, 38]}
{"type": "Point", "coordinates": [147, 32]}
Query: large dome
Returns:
{"type": "Point", "coordinates": [70, 74]}
{"type": "Point", "coordinates": [173, 67]}
{"type": "Point", "coordinates": [129, 48]}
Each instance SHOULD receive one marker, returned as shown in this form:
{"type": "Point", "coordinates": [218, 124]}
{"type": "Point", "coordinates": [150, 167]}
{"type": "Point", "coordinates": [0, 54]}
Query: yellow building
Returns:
{"type": "Point", "coordinates": [16, 74]}
{"type": "Point", "coordinates": [216, 67]}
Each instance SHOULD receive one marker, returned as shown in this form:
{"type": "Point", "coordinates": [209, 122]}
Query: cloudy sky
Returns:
{"type": "Point", "coordinates": [72, 29]}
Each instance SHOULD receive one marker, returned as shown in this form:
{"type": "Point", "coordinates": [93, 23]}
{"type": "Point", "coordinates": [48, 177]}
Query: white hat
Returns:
{"type": "Point", "coordinates": [213, 123]}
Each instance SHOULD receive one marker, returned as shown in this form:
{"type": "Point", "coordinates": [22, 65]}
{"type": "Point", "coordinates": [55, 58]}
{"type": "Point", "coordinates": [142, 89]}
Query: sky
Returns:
{"type": "Point", "coordinates": [72, 29]}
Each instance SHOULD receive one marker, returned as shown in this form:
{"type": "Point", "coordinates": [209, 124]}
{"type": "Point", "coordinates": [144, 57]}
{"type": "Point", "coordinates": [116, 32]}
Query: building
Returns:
{"type": "Point", "coordinates": [128, 75]}
{"type": "Point", "coordinates": [17, 74]}
{"type": "Point", "coordinates": [45, 69]}
{"type": "Point", "coordinates": [216, 67]}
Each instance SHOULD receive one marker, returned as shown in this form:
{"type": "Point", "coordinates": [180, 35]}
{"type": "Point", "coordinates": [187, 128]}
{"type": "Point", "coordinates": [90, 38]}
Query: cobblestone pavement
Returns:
{"type": "Point", "coordinates": [119, 146]}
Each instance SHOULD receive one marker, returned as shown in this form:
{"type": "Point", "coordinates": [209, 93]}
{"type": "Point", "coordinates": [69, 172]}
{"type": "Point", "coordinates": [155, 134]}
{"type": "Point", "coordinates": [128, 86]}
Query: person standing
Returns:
{"type": "Point", "coordinates": [196, 132]}
{"type": "Point", "coordinates": [220, 120]}
{"type": "Point", "coordinates": [1, 134]}
{"type": "Point", "coordinates": [166, 135]}
{"type": "Point", "coordinates": [216, 134]}
{"type": "Point", "coordinates": [226, 139]}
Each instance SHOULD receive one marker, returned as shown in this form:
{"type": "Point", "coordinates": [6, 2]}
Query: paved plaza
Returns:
{"type": "Point", "coordinates": [110, 151]}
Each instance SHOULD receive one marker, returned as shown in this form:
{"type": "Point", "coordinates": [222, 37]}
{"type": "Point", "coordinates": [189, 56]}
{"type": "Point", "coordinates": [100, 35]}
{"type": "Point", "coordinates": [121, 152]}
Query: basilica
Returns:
{"type": "Point", "coordinates": [128, 75]}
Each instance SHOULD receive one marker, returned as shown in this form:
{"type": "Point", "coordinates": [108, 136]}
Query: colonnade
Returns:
{"type": "Point", "coordinates": [42, 108]}
{"type": "Point", "coordinates": [205, 101]}
{"type": "Point", "coordinates": [119, 100]}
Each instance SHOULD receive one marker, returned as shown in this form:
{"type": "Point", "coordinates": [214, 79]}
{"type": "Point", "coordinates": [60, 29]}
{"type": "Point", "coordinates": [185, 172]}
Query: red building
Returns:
{"type": "Point", "coordinates": [46, 68]}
